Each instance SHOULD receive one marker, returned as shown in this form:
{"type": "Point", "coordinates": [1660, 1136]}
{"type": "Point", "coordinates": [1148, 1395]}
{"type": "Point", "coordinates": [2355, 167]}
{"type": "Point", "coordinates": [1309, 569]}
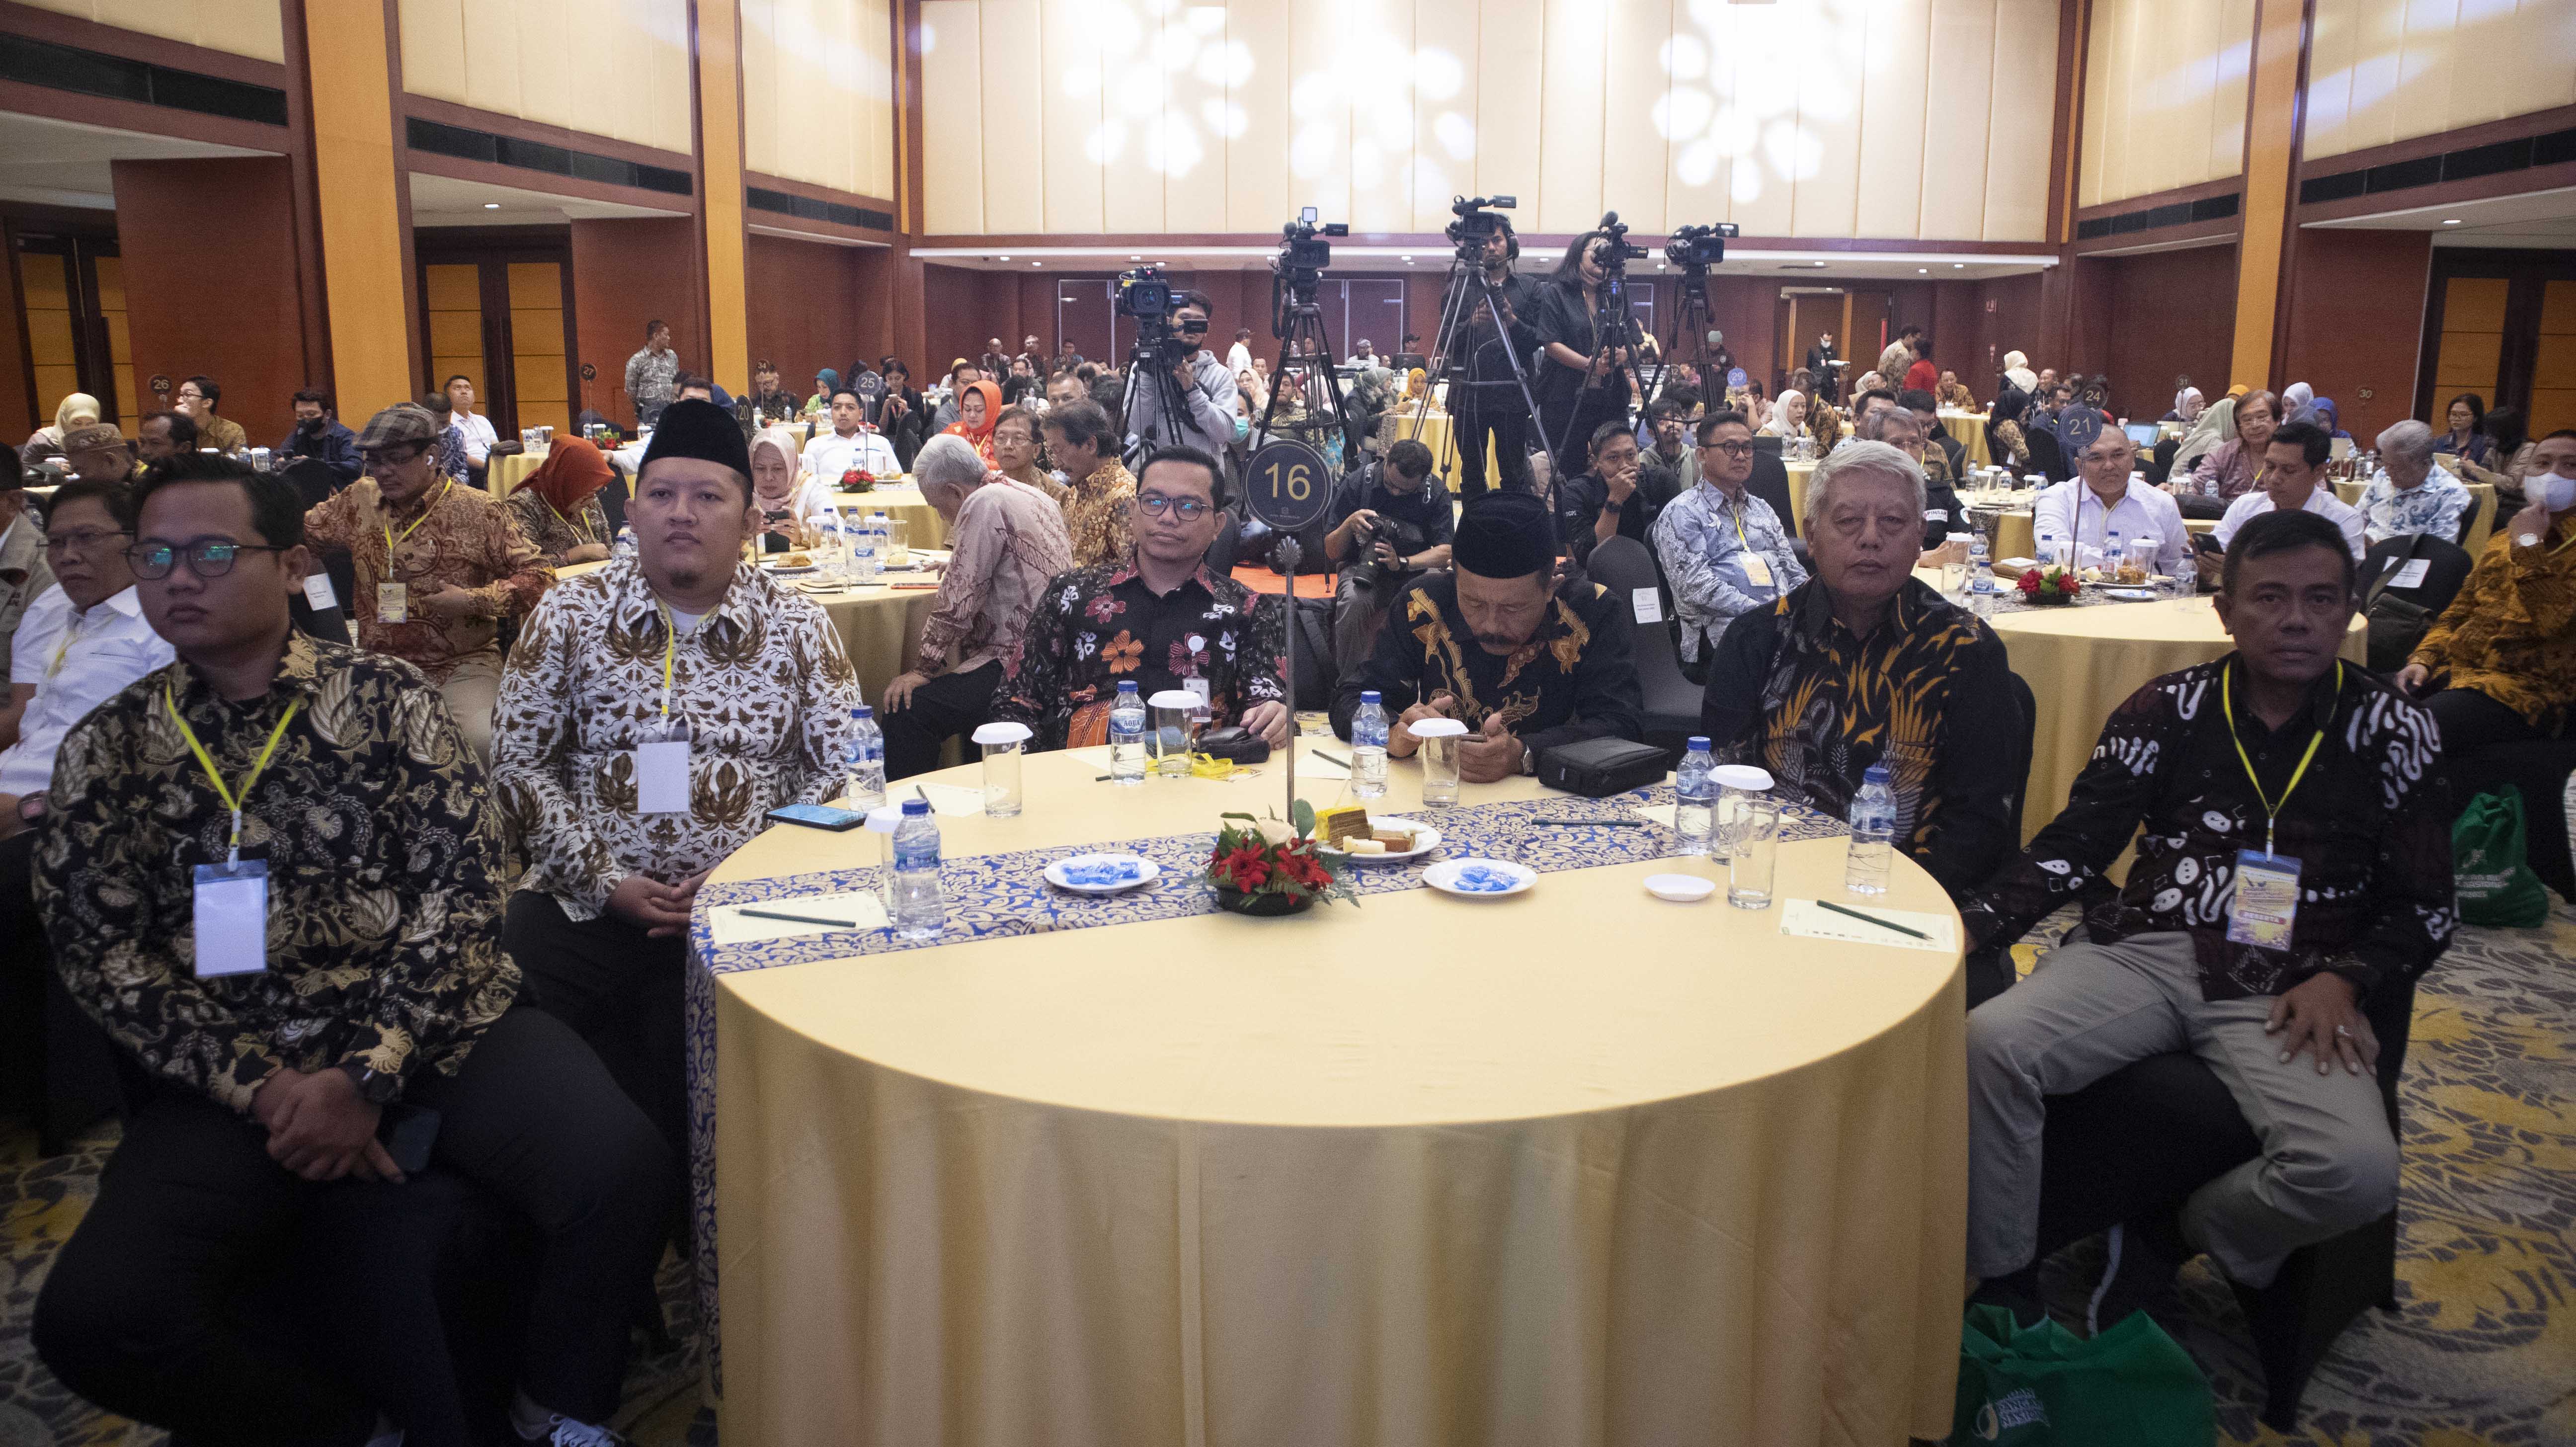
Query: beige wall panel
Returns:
{"type": "Point", "coordinates": [2331, 42]}
{"type": "Point", "coordinates": [1701, 81]}
{"type": "Point", "coordinates": [1887, 158]}
{"type": "Point", "coordinates": [1764, 46]}
{"type": "Point", "coordinates": [2424, 69]}
{"type": "Point", "coordinates": [667, 23]}
{"type": "Point", "coordinates": [2123, 98]}
{"type": "Point", "coordinates": [764, 88]}
{"type": "Point", "coordinates": [433, 48]}
{"type": "Point", "coordinates": [1134, 97]}
{"type": "Point", "coordinates": [1191, 145]}
{"type": "Point", "coordinates": [2179, 155]}
{"type": "Point", "coordinates": [1955, 127]}
{"type": "Point", "coordinates": [2025, 72]}
{"type": "Point", "coordinates": [952, 122]}
{"type": "Point", "coordinates": [1071, 108]}
{"type": "Point", "coordinates": [1255, 137]}
{"type": "Point", "coordinates": [1507, 124]}
{"type": "Point", "coordinates": [2165, 89]}
{"type": "Point", "coordinates": [1447, 35]}
{"type": "Point", "coordinates": [2097, 96]}
{"type": "Point", "coordinates": [2378, 67]}
{"type": "Point", "coordinates": [2235, 78]}
{"type": "Point", "coordinates": [2390, 70]}
{"type": "Point", "coordinates": [587, 88]}
{"type": "Point", "coordinates": [1014, 164]}
{"type": "Point", "coordinates": [1319, 111]}
{"type": "Point", "coordinates": [1573, 70]}
{"type": "Point", "coordinates": [873, 62]}
{"type": "Point", "coordinates": [1376, 73]}
{"type": "Point", "coordinates": [492, 55]}
{"type": "Point", "coordinates": [546, 37]}
{"type": "Point", "coordinates": [1635, 155]}
{"type": "Point", "coordinates": [235, 27]}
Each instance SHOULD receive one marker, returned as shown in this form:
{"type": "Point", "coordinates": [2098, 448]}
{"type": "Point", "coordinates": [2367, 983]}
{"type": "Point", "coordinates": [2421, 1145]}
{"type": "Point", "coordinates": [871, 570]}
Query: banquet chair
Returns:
{"type": "Point", "coordinates": [2136, 1143]}
{"type": "Point", "coordinates": [2045, 454]}
{"type": "Point", "coordinates": [2160, 461]}
{"type": "Point", "coordinates": [1627, 567]}
{"type": "Point", "coordinates": [1990, 970]}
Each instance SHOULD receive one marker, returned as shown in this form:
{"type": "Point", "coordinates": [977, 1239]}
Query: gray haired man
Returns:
{"type": "Point", "coordinates": [2411, 493]}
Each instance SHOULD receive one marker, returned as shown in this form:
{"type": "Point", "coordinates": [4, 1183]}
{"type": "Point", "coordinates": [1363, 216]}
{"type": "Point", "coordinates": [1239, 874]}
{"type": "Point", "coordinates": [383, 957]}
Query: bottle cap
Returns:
{"type": "Point", "coordinates": [913, 808]}
{"type": "Point", "coordinates": [863, 711]}
{"type": "Point", "coordinates": [1874, 774]}
{"type": "Point", "coordinates": [1699, 743]}
{"type": "Point", "coordinates": [1370, 695]}
{"type": "Point", "coordinates": [1126, 685]}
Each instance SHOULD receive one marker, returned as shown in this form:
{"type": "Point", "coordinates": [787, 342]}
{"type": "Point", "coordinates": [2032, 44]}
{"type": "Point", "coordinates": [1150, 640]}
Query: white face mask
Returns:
{"type": "Point", "coordinates": [2555, 491]}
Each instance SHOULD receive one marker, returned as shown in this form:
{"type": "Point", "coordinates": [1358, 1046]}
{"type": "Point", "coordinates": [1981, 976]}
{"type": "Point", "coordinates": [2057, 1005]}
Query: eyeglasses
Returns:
{"type": "Point", "coordinates": [153, 561]}
{"type": "Point", "coordinates": [1189, 326]}
{"type": "Point", "coordinates": [1187, 509]}
{"type": "Point", "coordinates": [1731, 449]}
{"type": "Point", "coordinates": [394, 456]}
{"type": "Point", "coordinates": [87, 540]}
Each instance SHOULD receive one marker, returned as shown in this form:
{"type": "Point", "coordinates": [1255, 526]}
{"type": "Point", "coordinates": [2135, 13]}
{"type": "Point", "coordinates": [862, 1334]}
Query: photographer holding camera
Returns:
{"type": "Point", "coordinates": [1586, 336]}
{"type": "Point", "coordinates": [1392, 522]}
{"type": "Point", "coordinates": [1486, 396]}
{"type": "Point", "coordinates": [1206, 388]}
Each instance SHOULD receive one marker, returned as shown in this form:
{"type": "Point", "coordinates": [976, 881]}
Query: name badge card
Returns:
{"type": "Point", "coordinates": [1199, 689]}
{"type": "Point", "coordinates": [232, 918]}
{"type": "Point", "coordinates": [1757, 569]}
{"type": "Point", "coordinates": [317, 592]}
{"type": "Point", "coordinates": [662, 772]}
{"type": "Point", "coordinates": [2267, 900]}
{"type": "Point", "coordinates": [393, 603]}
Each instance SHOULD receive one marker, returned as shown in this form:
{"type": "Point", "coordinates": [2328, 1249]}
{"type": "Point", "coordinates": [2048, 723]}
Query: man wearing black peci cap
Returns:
{"type": "Point", "coordinates": [1526, 661]}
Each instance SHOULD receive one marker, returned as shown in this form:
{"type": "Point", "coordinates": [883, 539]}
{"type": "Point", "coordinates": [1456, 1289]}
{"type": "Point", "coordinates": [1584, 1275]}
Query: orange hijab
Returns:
{"type": "Point", "coordinates": [572, 471]}
{"type": "Point", "coordinates": [982, 436]}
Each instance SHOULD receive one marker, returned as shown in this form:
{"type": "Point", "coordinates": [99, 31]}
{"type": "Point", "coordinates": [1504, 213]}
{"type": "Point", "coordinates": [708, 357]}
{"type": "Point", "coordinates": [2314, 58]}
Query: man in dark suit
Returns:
{"type": "Point", "coordinates": [1820, 358]}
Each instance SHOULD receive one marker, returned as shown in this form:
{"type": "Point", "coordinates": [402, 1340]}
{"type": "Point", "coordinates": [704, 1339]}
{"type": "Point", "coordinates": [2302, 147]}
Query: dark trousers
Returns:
{"type": "Point", "coordinates": [1510, 429]}
{"type": "Point", "coordinates": [1571, 420]}
{"type": "Point", "coordinates": [56, 1066]}
{"type": "Point", "coordinates": [135, 1315]}
{"type": "Point", "coordinates": [943, 707]}
{"type": "Point", "coordinates": [623, 991]}
{"type": "Point", "coordinates": [2470, 721]}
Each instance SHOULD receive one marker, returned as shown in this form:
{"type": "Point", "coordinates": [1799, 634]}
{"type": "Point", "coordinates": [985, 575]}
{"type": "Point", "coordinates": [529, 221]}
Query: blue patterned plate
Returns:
{"type": "Point", "coordinates": [1102, 873]}
{"type": "Point", "coordinates": [1483, 878]}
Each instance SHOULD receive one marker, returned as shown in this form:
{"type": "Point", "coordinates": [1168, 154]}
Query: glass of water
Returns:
{"type": "Point", "coordinates": [1441, 739]}
{"type": "Point", "coordinates": [1005, 744]}
{"type": "Point", "coordinates": [1172, 731]}
{"type": "Point", "coordinates": [1757, 848]}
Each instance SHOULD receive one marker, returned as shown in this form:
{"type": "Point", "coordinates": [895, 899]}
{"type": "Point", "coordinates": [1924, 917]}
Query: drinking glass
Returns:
{"type": "Point", "coordinates": [1441, 738]}
{"type": "Point", "coordinates": [1736, 784]}
{"type": "Point", "coordinates": [1173, 731]}
{"type": "Point", "coordinates": [1757, 848]}
{"type": "Point", "coordinates": [1005, 744]}
{"type": "Point", "coordinates": [898, 548]}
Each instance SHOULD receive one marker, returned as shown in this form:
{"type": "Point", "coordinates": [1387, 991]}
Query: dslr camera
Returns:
{"type": "Point", "coordinates": [1698, 245]}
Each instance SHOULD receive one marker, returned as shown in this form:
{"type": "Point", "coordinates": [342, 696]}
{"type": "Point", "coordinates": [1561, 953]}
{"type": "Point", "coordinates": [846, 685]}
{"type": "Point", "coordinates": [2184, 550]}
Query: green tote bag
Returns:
{"type": "Point", "coordinates": [2496, 887]}
{"type": "Point", "coordinates": [2044, 1386]}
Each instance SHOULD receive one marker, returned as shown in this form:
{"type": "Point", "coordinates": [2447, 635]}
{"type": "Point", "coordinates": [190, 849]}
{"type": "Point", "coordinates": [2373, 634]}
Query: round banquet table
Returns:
{"type": "Point", "coordinates": [1429, 1169]}
{"type": "Point", "coordinates": [880, 626]}
{"type": "Point", "coordinates": [1970, 429]}
{"type": "Point", "coordinates": [2082, 661]}
{"type": "Point", "coordinates": [502, 475]}
{"type": "Point", "coordinates": [1433, 429]}
{"type": "Point", "coordinates": [1798, 472]}
{"type": "Point", "coordinates": [899, 502]}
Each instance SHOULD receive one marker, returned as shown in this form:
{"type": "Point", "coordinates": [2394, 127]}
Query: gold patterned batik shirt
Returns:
{"type": "Point", "coordinates": [761, 682]}
{"type": "Point", "coordinates": [2511, 632]}
{"type": "Point", "coordinates": [383, 856]}
{"type": "Point", "coordinates": [550, 532]}
{"type": "Point", "coordinates": [458, 536]}
{"type": "Point", "coordinates": [1095, 513]}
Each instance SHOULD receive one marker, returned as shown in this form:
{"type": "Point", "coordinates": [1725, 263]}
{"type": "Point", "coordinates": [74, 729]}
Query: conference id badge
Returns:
{"type": "Point", "coordinates": [2410, 574]}
{"type": "Point", "coordinates": [2267, 900]}
{"type": "Point", "coordinates": [662, 772]}
{"type": "Point", "coordinates": [1757, 569]}
{"type": "Point", "coordinates": [317, 593]}
{"type": "Point", "coordinates": [393, 603]}
{"type": "Point", "coordinates": [232, 918]}
{"type": "Point", "coordinates": [1200, 689]}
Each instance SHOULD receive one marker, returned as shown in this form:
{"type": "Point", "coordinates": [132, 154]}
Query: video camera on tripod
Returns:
{"type": "Point", "coordinates": [1298, 269]}
{"type": "Point", "coordinates": [1478, 218]}
{"type": "Point", "coordinates": [1145, 297]}
{"type": "Point", "coordinates": [1698, 246]}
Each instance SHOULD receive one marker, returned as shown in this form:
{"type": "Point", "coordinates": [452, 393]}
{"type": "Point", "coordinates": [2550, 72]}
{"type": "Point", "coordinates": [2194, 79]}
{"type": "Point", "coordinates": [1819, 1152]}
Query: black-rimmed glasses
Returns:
{"type": "Point", "coordinates": [153, 561]}
{"type": "Point", "coordinates": [1187, 509]}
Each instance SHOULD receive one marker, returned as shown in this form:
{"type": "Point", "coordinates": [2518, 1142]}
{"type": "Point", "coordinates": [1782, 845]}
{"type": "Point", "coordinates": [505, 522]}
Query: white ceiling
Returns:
{"type": "Point", "coordinates": [446, 201]}
{"type": "Point", "coordinates": [1375, 257]}
{"type": "Point", "coordinates": [2540, 219]}
{"type": "Point", "coordinates": [63, 163]}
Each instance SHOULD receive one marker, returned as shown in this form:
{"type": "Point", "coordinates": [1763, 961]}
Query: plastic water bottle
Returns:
{"type": "Point", "coordinates": [863, 760]}
{"type": "Point", "coordinates": [2112, 552]}
{"type": "Point", "coordinates": [1368, 747]}
{"type": "Point", "coordinates": [863, 555]}
{"type": "Point", "coordinates": [1981, 575]}
{"type": "Point", "coordinates": [1695, 798]}
{"type": "Point", "coordinates": [919, 910]}
{"type": "Point", "coordinates": [625, 546]}
{"type": "Point", "coordinates": [1127, 735]}
{"type": "Point", "coordinates": [882, 534]}
{"type": "Point", "coordinates": [1873, 834]}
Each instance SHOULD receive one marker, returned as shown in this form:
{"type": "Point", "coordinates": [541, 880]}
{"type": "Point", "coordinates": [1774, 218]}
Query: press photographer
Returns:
{"type": "Point", "coordinates": [1392, 522]}
{"type": "Point", "coordinates": [1493, 354]}
{"type": "Point", "coordinates": [1178, 392]}
{"type": "Point", "coordinates": [1587, 338]}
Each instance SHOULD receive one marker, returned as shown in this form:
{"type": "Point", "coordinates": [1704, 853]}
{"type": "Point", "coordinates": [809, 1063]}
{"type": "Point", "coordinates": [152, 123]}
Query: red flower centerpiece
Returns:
{"type": "Point", "coordinates": [1255, 875]}
{"type": "Point", "coordinates": [858, 479]}
{"type": "Point", "coordinates": [2052, 584]}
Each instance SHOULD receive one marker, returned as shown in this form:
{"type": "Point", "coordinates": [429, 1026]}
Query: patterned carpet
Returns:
{"type": "Point", "coordinates": [2482, 1350]}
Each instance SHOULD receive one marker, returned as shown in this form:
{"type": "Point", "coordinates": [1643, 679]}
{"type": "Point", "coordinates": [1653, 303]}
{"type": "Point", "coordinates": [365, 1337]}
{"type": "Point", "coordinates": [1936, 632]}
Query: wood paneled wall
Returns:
{"type": "Point", "coordinates": [810, 308]}
{"type": "Point", "coordinates": [180, 224]}
{"type": "Point", "coordinates": [1898, 118]}
{"type": "Point", "coordinates": [2389, 70]}
{"type": "Point", "coordinates": [818, 92]}
{"type": "Point", "coordinates": [2164, 96]}
{"type": "Point", "coordinates": [624, 274]}
{"type": "Point", "coordinates": [2356, 321]}
{"type": "Point", "coordinates": [2149, 319]}
{"type": "Point", "coordinates": [255, 28]}
{"type": "Point", "coordinates": [615, 68]}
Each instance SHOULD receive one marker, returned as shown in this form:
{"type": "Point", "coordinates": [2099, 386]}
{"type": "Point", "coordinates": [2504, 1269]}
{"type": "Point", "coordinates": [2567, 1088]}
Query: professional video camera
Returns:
{"type": "Point", "coordinates": [1303, 251]}
{"type": "Point", "coordinates": [1144, 293]}
{"type": "Point", "coordinates": [1622, 251]}
{"type": "Point", "coordinates": [1699, 245]}
{"type": "Point", "coordinates": [1478, 219]}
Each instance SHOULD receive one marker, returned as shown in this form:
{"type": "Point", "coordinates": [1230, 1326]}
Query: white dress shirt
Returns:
{"type": "Point", "coordinates": [76, 661]}
{"type": "Point", "coordinates": [2322, 502]}
{"type": "Point", "coordinates": [830, 454]}
{"type": "Point", "coordinates": [1238, 359]}
{"type": "Point", "coordinates": [479, 435]}
{"type": "Point", "coordinates": [2071, 510]}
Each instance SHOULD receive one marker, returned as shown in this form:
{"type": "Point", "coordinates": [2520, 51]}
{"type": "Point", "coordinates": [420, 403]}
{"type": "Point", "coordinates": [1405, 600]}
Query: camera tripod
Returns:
{"type": "Point", "coordinates": [1614, 323]}
{"type": "Point", "coordinates": [1298, 323]}
{"type": "Point", "coordinates": [1457, 314]}
{"type": "Point", "coordinates": [1150, 363]}
{"type": "Point", "coordinates": [1691, 323]}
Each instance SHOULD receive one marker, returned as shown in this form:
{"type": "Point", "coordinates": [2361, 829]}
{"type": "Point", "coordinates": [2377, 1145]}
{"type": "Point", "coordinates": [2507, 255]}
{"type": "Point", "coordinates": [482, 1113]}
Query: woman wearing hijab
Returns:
{"type": "Point", "coordinates": [1788, 415]}
{"type": "Point", "coordinates": [2216, 423]}
{"type": "Point", "coordinates": [80, 409]}
{"type": "Point", "coordinates": [789, 510]}
{"type": "Point", "coordinates": [2327, 415]}
{"type": "Point", "coordinates": [558, 506]}
{"type": "Point", "coordinates": [979, 406]}
{"type": "Point", "coordinates": [2187, 407]}
{"type": "Point", "coordinates": [826, 382]}
{"type": "Point", "coordinates": [2017, 371]}
{"type": "Point", "coordinates": [2295, 399]}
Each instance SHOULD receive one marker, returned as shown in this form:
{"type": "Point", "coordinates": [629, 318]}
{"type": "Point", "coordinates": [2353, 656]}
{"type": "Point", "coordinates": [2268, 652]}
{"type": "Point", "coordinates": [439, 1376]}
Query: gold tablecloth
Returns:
{"type": "Point", "coordinates": [898, 501]}
{"type": "Point", "coordinates": [502, 475]}
{"type": "Point", "coordinates": [1431, 1170]}
{"type": "Point", "coordinates": [1433, 430]}
{"type": "Point", "coordinates": [1799, 472]}
{"type": "Point", "coordinates": [2080, 662]}
{"type": "Point", "coordinates": [1970, 429]}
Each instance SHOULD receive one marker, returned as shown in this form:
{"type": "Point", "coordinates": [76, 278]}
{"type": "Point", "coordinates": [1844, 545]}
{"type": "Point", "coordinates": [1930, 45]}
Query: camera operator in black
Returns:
{"type": "Point", "coordinates": [1582, 378]}
{"type": "Point", "coordinates": [1206, 387]}
{"type": "Point", "coordinates": [1483, 396]}
{"type": "Point", "coordinates": [1392, 522]}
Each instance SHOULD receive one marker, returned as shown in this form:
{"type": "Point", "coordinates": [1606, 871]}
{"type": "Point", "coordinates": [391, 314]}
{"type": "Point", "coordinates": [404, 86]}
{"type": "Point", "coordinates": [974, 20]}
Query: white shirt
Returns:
{"type": "Point", "coordinates": [1238, 359]}
{"type": "Point", "coordinates": [76, 661]}
{"type": "Point", "coordinates": [2322, 502]}
{"type": "Point", "coordinates": [2071, 510]}
{"type": "Point", "coordinates": [479, 435]}
{"type": "Point", "coordinates": [830, 454]}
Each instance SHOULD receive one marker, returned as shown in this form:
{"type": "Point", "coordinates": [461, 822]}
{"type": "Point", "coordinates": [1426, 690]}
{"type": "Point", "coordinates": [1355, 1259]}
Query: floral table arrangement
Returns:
{"type": "Point", "coordinates": [858, 479]}
{"type": "Point", "coordinates": [1257, 875]}
{"type": "Point", "coordinates": [2053, 584]}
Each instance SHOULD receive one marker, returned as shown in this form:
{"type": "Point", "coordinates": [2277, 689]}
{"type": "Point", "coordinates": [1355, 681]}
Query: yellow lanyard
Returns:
{"type": "Point", "coordinates": [579, 528]}
{"type": "Point", "coordinates": [390, 539]}
{"type": "Point", "coordinates": [2271, 811]}
{"type": "Point", "coordinates": [215, 776]}
{"type": "Point", "coordinates": [71, 635]}
{"type": "Point", "coordinates": [670, 653]}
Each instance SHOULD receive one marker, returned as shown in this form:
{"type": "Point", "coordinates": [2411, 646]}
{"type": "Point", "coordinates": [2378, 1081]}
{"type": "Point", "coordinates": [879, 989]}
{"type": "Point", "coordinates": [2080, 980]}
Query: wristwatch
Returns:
{"type": "Point", "coordinates": [375, 1087]}
{"type": "Point", "coordinates": [2528, 540]}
